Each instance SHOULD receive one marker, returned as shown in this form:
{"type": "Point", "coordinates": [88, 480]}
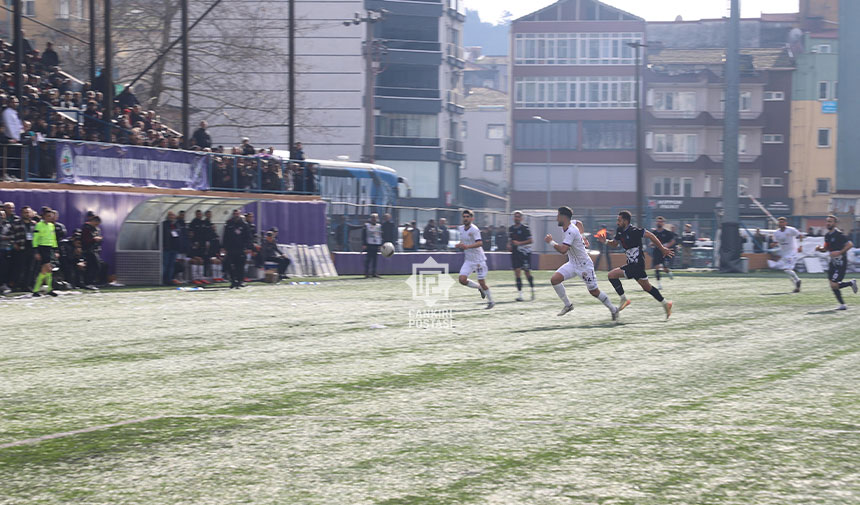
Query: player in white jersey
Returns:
{"type": "Point", "coordinates": [787, 239]}
{"type": "Point", "coordinates": [476, 260]}
{"type": "Point", "coordinates": [578, 263]}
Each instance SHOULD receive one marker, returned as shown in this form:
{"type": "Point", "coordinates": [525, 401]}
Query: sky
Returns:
{"type": "Point", "coordinates": [651, 10]}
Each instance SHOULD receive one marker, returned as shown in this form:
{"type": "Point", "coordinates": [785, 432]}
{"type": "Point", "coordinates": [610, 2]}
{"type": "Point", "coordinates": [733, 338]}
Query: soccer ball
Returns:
{"type": "Point", "coordinates": [387, 249]}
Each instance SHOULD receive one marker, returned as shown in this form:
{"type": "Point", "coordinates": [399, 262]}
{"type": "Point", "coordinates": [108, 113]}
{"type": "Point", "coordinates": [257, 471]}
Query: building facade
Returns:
{"type": "Point", "coordinates": [683, 123]}
{"type": "Point", "coordinates": [419, 98]}
{"type": "Point", "coordinates": [573, 69]}
{"type": "Point", "coordinates": [814, 122]}
{"type": "Point", "coordinates": [485, 175]}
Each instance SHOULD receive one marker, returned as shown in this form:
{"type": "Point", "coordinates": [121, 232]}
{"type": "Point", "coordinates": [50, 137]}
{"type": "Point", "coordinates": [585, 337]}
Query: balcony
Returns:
{"type": "Point", "coordinates": [455, 56]}
{"type": "Point", "coordinates": [413, 52]}
{"type": "Point", "coordinates": [675, 114]}
{"type": "Point", "coordinates": [454, 150]}
{"type": "Point", "coordinates": [675, 157]}
{"type": "Point", "coordinates": [407, 92]}
{"type": "Point", "coordinates": [406, 141]}
{"type": "Point", "coordinates": [455, 102]}
{"type": "Point", "coordinates": [413, 45]}
{"type": "Point", "coordinates": [457, 9]}
{"type": "Point", "coordinates": [742, 158]}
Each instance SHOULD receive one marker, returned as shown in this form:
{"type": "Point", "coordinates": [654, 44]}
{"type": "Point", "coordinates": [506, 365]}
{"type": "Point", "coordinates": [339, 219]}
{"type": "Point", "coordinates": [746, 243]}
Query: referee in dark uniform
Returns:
{"type": "Point", "coordinates": [520, 245]}
{"type": "Point", "coordinates": [837, 245]}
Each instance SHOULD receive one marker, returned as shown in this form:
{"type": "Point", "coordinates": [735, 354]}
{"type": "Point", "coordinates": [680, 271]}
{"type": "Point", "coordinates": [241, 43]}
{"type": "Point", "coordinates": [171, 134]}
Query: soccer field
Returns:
{"type": "Point", "coordinates": [294, 394]}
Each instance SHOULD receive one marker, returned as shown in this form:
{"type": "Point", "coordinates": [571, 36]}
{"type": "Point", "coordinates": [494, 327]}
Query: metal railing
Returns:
{"type": "Point", "coordinates": [38, 162]}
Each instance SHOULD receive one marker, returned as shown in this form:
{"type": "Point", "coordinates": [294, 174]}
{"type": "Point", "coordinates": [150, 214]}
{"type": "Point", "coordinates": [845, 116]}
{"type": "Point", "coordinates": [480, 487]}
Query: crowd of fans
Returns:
{"type": "Point", "coordinates": [56, 105]}
{"type": "Point", "coordinates": [76, 259]}
{"type": "Point", "coordinates": [194, 251]}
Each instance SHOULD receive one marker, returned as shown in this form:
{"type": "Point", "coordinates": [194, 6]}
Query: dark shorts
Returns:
{"type": "Point", "coordinates": [521, 260]}
{"type": "Point", "coordinates": [45, 253]}
{"type": "Point", "coordinates": [635, 270]}
{"type": "Point", "coordinates": [836, 271]}
{"type": "Point", "coordinates": [657, 258]}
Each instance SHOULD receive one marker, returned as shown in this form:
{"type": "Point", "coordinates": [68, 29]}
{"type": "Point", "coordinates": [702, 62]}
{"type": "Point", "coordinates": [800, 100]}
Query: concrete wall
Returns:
{"type": "Point", "coordinates": [478, 145]}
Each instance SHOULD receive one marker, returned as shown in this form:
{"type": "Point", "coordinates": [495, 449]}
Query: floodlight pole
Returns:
{"type": "Point", "coordinates": [730, 246]}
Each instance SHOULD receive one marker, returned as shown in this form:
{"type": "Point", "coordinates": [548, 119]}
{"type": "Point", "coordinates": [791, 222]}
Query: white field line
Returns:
{"type": "Point", "coordinates": [410, 419]}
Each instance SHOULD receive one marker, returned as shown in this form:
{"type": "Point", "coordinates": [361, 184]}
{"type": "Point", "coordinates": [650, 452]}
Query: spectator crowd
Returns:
{"type": "Point", "coordinates": [56, 105]}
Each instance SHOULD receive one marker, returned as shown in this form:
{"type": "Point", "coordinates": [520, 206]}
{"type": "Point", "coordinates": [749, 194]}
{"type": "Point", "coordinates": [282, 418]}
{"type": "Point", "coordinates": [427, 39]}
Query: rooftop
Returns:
{"type": "Point", "coordinates": [486, 99]}
{"type": "Point", "coordinates": [762, 58]}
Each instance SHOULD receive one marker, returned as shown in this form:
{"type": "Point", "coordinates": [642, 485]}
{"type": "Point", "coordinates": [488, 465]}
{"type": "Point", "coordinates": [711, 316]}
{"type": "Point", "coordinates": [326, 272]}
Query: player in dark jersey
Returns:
{"type": "Point", "coordinates": [520, 245]}
{"type": "Point", "coordinates": [658, 261]}
{"type": "Point", "coordinates": [837, 245]}
{"type": "Point", "coordinates": [631, 239]}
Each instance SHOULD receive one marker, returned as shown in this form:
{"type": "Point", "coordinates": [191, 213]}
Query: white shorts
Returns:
{"type": "Point", "coordinates": [784, 263]}
{"type": "Point", "coordinates": [474, 266]}
{"type": "Point", "coordinates": [570, 270]}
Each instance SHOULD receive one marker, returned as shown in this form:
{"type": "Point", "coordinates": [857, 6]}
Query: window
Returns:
{"type": "Point", "coordinates": [836, 90]}
{"type": "Point", "coordinates": [574, 92]}
{"type": "Point", "coordinates": [825, 48]}
{"type": "Point", "coordinates": [673, 186]}
{"type": "Point", "coordinates": [823, 90]}
{"type": "Point", "coordinates": [774, 96]}
{"type": "Point", "coordinates": [63, 9]}
{"type": "Point", "coordinates": [824, 137]}
{"type": "Point", "coordinates": [743, 186]}
{"type": "Point", "coordinates": [746, 101]}
{"type": "Point", "coordinates": [29, 8]}
{"type": "Point", "coordinates": [465, 130]}
{"type": "Point", "coordinates": [772, 138]}
{"type": "Point", "coordinates": [495, 131]}
{"type": "Point", "coordinates": [676, 143]}
{"type": "Point", "coordinates": [609, 135]}
{"type": "Point", "coordinates": [771, 182]}
{"type": "Point", "coordinates": [675, 101]}
{"type": "Point", "coordinates": [492, 163]}
{"type": "Point", "coordinates": [575, 48]}
{"type": "Point", "coordinates": [822, 186]}
{"type": "Point", "coordinates": [556, 135]}
{"type": "Point", "coordinates": [407, 125]}
{"type": "Point", "coordinates": [742, 144]}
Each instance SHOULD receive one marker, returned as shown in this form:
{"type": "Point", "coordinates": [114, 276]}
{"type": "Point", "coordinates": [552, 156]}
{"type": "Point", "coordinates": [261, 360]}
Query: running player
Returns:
{"type": "Point", "coordinates": [630, 238]}
{"type": "Point", "coordinates": [475, 260]}
{"type": "Point", "coordinates": [578, 264]}
{"type": "Point", "coordinates": [520, 246]}
{"type": "Point", "coordinates": [45, 245]}
{"type": "Point", "coordinates": [838, 245]}
{"type": "Point", "coordinates": [787, 237]}
{"type": "Point", "coordinates": [658, 261]}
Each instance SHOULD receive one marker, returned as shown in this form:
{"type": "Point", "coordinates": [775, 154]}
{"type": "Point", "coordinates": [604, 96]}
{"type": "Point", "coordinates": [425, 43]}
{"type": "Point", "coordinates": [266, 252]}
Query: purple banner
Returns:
{"type": "Point", "coordinates": [107, 164]}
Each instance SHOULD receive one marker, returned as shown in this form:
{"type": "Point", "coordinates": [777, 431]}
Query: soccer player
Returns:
{"type": "Point", "coordinates": [520, 246]}
{"type": "Point", "coordinates": [658, 261]}
{"type": "Point", "coordinates": [786, 237]}
{"type": "Point", "coordinates": [45, 243]}
{"type": "Point", "coordinates": [471, 244]}
{"type": "Point", "coordinates": [630, 238]}
{"type": "Point", "coordinates": [838, 245]}
{"type": "Point", "coordinates": [578, 263]}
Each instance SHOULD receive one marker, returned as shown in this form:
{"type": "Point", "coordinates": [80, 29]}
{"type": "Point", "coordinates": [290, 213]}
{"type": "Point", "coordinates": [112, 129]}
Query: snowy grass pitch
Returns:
{"type": "Point", "coordinates": [287, 395]}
